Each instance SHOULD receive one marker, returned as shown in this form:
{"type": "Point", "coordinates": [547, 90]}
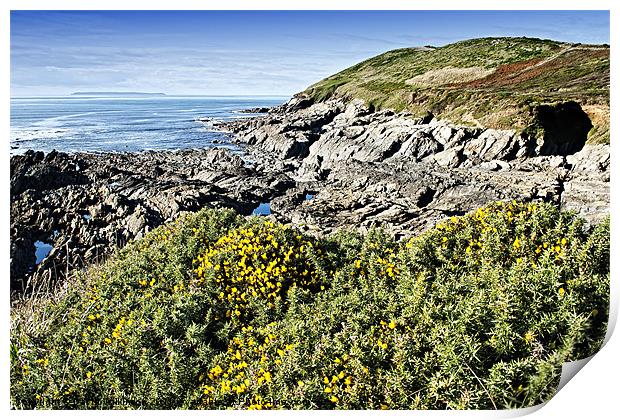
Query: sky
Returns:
{"type": "Point", "coordinates": [250, 53]}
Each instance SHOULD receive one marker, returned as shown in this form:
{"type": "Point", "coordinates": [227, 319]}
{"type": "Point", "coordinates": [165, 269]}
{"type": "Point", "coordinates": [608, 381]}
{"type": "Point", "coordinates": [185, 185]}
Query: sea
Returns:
{"type": "Point", "coordinates": [125, 124]}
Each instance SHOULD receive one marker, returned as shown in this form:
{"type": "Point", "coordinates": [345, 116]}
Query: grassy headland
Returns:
{"type": "Point", "coordinates": [490, 82]}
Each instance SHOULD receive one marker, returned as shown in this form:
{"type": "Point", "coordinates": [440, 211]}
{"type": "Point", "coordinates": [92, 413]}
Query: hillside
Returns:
{"type": "Point", "coordinates": [490, 82]}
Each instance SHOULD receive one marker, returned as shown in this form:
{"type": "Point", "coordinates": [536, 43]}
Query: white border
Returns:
{"type": "Point", "coordinates": [593, 393]}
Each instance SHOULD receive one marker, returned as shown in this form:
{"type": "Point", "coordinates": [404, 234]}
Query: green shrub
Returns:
{"type": "Point", "coordinates": [216, 311]}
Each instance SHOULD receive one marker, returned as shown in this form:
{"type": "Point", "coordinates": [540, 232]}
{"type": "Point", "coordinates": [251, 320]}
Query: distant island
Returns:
{"type": "Point", "coordinates": [122, 94]}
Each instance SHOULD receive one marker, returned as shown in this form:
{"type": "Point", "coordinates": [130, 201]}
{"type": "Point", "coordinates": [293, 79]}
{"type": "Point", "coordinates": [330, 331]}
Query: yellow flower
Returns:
{"type": "Point", "coordinates": [516, 244]}
{"type": "Point", "coordinates": [561, 291]}
{"type": "Point", "coordinates": [529, 337]}
{"type": "Point", "coordinates": [333, 399]}
{"type": "Point", "coordinates": [327, 390]}
{"type": "Point", "coordinates": [43, 362]}
{"type": "Point", "coordinates": [392, 324]}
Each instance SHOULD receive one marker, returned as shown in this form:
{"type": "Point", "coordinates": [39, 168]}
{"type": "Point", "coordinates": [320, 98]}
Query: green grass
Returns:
{"type": "Point", "coordinates": [217, 311]}
{"type": "Point", "coordinates": [566, 72]}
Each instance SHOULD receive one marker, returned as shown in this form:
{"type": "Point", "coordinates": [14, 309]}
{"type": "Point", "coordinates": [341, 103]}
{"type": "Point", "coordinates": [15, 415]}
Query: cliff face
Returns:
{"type": "Point", "coordinates": [491, 82]}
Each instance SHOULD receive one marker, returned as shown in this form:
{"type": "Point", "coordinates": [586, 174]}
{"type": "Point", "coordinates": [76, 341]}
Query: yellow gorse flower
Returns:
{"type": "Point", "coordinates": [259, 262]}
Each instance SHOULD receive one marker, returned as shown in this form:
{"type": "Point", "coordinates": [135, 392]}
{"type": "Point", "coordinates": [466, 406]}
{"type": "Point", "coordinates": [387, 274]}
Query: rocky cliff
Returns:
{"type": "Point", "coordinates": [405, 173]}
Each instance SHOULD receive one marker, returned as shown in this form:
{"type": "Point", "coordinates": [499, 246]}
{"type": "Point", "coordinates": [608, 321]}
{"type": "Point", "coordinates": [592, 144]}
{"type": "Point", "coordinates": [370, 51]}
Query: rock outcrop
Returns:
{"type": "Point", "coordinates": [381, 168]}
{"type": "Point", "coordinates": [88, 205]}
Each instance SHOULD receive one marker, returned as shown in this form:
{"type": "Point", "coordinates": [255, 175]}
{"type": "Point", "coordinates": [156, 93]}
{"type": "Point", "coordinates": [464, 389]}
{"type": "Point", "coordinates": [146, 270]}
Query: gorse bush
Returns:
{"type": "Point", "coordinates": [255, 265]}
{"type": "Point", "coordinates": [217, 311]}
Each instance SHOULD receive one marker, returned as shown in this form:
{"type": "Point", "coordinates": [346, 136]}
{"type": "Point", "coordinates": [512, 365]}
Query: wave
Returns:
{"type": "Point", "coordinates": [29, 134]}
{"type": "Point", "coordinates": [53, 121]}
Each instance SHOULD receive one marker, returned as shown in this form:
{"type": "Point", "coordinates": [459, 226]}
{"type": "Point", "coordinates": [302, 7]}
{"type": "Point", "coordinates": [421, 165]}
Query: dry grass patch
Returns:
{"type": "Point", "coordinates": [449, 75]}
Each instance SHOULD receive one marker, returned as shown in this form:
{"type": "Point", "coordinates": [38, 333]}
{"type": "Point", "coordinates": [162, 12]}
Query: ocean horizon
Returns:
{"type": "Point", "coordinates": [99, 123]}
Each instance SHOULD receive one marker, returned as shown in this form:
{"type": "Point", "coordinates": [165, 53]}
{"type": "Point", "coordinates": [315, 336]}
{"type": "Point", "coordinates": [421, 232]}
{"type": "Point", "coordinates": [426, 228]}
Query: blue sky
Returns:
{"type": "Point", "coordinates": [245, 52]}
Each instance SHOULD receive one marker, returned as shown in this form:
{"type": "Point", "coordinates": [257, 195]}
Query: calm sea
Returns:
{"type": "Point", "coordinates": [75, 123]}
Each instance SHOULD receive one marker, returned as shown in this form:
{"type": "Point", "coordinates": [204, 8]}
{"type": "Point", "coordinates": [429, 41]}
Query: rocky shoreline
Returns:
{"type": "Point", "coordinates": [320, 166]}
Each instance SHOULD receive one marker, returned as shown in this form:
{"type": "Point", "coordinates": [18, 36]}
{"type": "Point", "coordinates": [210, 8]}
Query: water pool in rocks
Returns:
{"type": "Point", "coordinates": [263, 209]}
{"type": "Point", "coordinates": [42, 250]}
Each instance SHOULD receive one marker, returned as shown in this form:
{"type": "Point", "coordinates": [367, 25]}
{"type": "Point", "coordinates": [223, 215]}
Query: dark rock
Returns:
{"type": "Point", "coordinates": [565, 126]}
{"type": "Point", "coordinates": [115, 198]}
{"type": "Point", "coordinates": [258, 110]}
